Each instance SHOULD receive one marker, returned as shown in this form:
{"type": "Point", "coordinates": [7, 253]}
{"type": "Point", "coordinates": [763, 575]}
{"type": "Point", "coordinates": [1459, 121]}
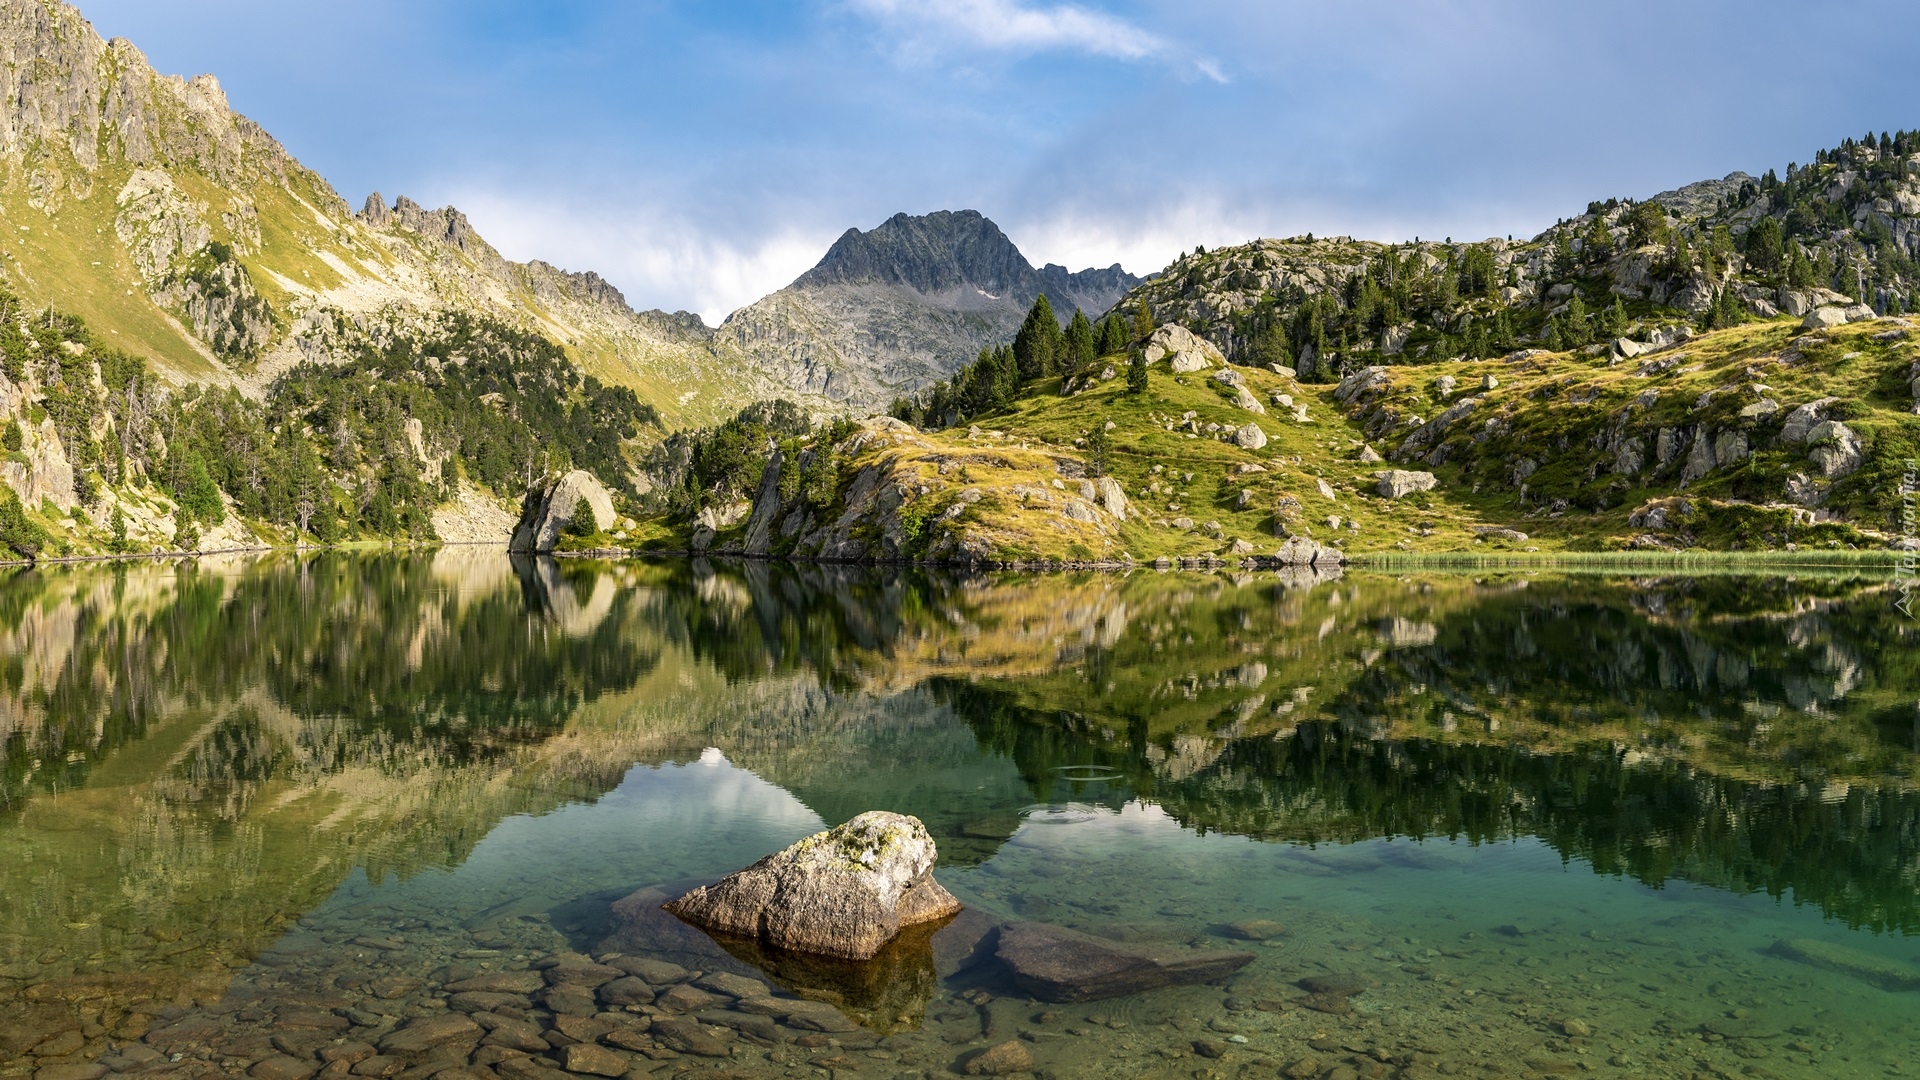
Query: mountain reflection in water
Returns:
{"type": "Point", "coordinates": [197, 756]}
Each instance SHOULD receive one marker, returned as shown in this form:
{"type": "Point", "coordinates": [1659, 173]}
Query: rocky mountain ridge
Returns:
{"type": "Point", "coordinates": [202, 245]}
{"type": "Point", "coordinates": [223, 260]}
{"type": "Point", "coordinates": [1841, 230]}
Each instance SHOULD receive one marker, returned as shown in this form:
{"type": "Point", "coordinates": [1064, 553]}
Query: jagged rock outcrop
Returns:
{"type": "Point", "coordinates": [206, 217]}
{"type": "Point", "coordinates": [575, 497]}
{"type": "Point", "coordinates": [844, 893]}
{"type": "Point", "coordinates": [1183, 351]}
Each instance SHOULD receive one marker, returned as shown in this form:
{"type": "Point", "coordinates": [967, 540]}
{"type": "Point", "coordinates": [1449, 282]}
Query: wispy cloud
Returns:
{"type": "Point", "coordinates": [651, 256]}
{"type": "Point", "coordinates": [928, 26]}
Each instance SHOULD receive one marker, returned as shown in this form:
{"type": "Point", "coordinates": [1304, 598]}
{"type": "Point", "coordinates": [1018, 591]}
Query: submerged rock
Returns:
{"type": "Point", "coordinates": [1005, 1059]}
{"type": "Point", "coordinates": [1880, 971]}
{"type": "Point", "coordinates": [1060, 965]}
{"type": "Point", "coordinates": [844, 892]}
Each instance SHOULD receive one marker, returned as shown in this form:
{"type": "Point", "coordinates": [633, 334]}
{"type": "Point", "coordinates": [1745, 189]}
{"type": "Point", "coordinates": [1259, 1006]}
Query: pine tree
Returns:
{"type": "Point", "coordinates": [1799, 268]}
{"type": "Point", "coordinates": [1142, 322]}
{"type": "Point", "coordinates": [1113, 335]}
{"type": "Point", "coordinates": [1271, 347]}
{"type": "Point", "coordinates": [117, 530]}
{"type": "Point", "coordinates": [1006, 376]}
{"type": "Point", "coordinates": [1682, 253]}
{"type": "Point", "coordinates": [1599, 241]}
{"type": "Point", "coordinates": [1036, 345]}
{"type": "Point", "coordinates": [1564, 261]}
{"type": "Point", "coordinates": [1575, 329]}
{"type": "Point", "coordinates": [1080, 350]}
{"type": "Point", "coordinates": [1099, 449]}
{"type": "Point", "coordinates": [1766, 243]}
{"type": "Point", "coordinates": [1137, 372]}
{"type": "Point", "coordinates": [1613, 322]}
{"type": "Point", "coordinates": [1724, 311]}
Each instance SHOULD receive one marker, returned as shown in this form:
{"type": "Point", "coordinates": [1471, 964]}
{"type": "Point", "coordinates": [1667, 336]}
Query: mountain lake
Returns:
{"type": "Point", "coordinates": [413, 815]}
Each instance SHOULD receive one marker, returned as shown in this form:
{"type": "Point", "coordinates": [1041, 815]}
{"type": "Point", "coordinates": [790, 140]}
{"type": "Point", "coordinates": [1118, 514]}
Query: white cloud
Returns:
{"type": "Point", "coordinates": [928, 26]}
{"type": "Point", "coordinates": [1145, 241]}
{"type": "Point", "coordinates": [656, 261]}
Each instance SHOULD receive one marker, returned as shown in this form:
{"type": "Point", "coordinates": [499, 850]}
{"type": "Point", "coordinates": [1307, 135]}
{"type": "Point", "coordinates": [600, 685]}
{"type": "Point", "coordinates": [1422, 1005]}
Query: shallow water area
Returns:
{"type": "Point", "coordinates": [413, 816]}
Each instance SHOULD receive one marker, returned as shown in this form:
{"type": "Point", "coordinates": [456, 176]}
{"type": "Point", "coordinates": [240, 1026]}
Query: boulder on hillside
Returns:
{"type": "Point", "coordinates": [1107, 494]}
{"type": "Point", "coordinates": [1836, 449]}
{"type": "Point", "coordinates": [1362, 384]}
{"type": "Point", "coordinates": [1301, 551]}
{"type": "Point", "coordinates": [1184, 351]}
{"type": "Point", "coordinates": [1250, 437]}
{"type": "Point", "coordinates": [1395, 483]}
{"type": "Point", "coordinates": [576, 494]}
{"type": "Point", "coordinates": [844, 892]}
{"type": "Point", "coordinates": [1825, 317]}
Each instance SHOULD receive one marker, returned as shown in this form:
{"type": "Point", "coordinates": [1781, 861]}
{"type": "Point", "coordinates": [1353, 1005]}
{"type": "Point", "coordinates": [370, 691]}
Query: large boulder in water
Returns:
{"type": "Point", "coordinates": [844, 892]}
{"type": "Point", "coordinates": [1060, 965]}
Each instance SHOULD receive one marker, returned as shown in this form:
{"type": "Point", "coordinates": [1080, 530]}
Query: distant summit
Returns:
{"type": "Point", "coordinates": [959, 249]}
{"type": "Point", "coordinates": [903, 304]}
{"type": "Point", "coordinates": [931, 253]}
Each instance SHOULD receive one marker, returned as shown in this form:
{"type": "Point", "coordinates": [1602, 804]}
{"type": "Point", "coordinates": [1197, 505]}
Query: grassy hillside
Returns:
{"type": "Point", "coordinates": [1531, 453]}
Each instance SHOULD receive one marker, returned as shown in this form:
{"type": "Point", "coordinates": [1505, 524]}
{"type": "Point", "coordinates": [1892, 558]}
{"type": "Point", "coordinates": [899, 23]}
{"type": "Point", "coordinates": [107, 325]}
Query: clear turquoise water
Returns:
{"type": "Point", "coordinates": [1559, 824]}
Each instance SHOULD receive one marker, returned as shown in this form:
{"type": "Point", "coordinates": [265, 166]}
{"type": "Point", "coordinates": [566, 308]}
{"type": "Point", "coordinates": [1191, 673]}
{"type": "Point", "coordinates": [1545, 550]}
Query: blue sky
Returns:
{"type": "Point", "coordinates": [700, 153]}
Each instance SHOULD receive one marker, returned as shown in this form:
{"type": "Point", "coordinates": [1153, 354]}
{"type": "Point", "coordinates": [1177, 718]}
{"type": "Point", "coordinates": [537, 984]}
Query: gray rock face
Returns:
{"type": "Point", "coordinates": [1804, 418]}
{"type": "Point", "coordinates": [1301, 551]}
{"type": "Point", "coordinates": [1362, 384]}
{"type": "Point", "coordinates": [1825, 318]}
{"type": "Point", "coordinates": [1250, 437]}
{"type": "Point", "coordinates": [1836, 449]}
{"type": "Point", "coordinates": [45, 472]}
{"type": "Point", "coordinates": [1060, 965]}
{"type": "Point", "coordinates": [1729, 447]}
{"type": "Point", "coordinates": [1395, 483]}
{"type": "Point", "coordinates": [1700, 459]}
{"type": "Point", "coordinates": [574, 494]}
{"type": "Point", "coordinates": [844, 892]}
{"type": "Point", "coordinates": [1184, 351]}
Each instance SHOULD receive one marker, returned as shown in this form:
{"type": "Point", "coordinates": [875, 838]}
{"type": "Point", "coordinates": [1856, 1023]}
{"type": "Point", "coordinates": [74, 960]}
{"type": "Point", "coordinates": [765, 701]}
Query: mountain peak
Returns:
{"type": "Point", "coordinates": [929, 253]}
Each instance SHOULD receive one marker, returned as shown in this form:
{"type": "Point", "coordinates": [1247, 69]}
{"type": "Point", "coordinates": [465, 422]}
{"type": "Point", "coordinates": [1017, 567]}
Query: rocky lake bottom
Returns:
{"type": "Point", "coordinates": [419, 821]}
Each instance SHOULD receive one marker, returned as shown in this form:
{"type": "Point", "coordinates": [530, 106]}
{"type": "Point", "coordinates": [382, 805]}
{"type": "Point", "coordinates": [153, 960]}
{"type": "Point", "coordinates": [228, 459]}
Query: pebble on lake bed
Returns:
{"type": "Point", "coordinates": [1005, 1059]}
